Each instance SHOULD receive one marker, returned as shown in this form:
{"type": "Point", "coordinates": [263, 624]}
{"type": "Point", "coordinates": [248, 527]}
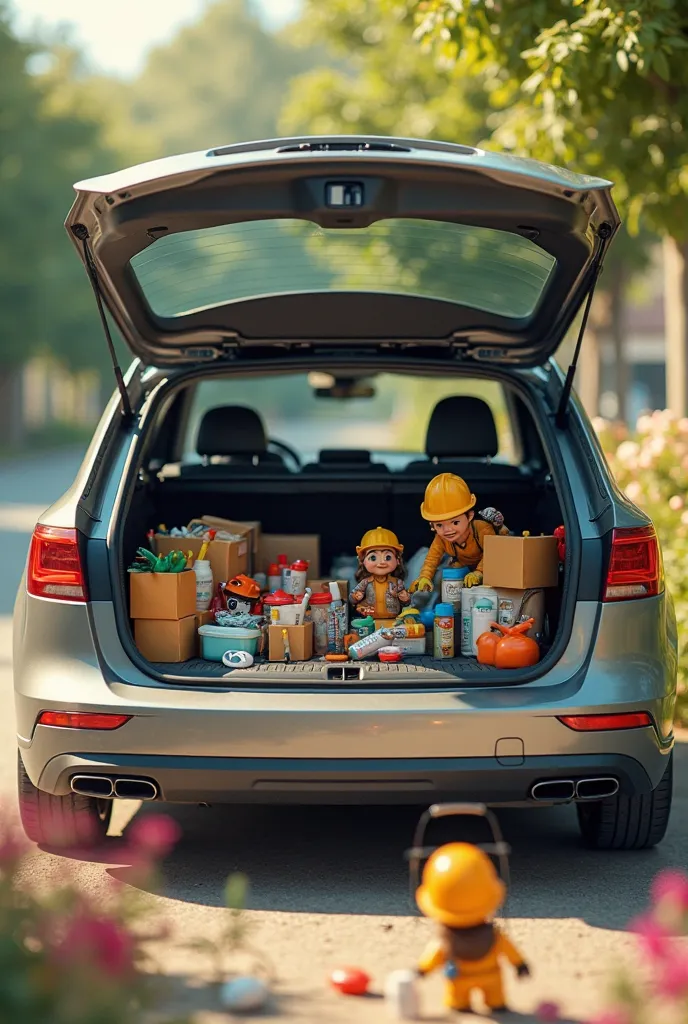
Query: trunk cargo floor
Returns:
{"type": "Point", "coordinates": [317, 669]}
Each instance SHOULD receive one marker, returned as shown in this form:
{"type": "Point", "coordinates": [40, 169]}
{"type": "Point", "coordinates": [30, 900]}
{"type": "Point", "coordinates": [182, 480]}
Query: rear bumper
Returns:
{"type": "Point", "coordinates": [326, 781]}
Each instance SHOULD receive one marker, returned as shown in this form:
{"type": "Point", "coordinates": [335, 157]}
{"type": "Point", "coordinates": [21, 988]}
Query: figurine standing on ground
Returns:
{"type": "Point", "coordinates": [449, 508]}
{"type": "Point", "coordinates": [380, 589]}
{"type": "Point", "coordinates": [461, 890]}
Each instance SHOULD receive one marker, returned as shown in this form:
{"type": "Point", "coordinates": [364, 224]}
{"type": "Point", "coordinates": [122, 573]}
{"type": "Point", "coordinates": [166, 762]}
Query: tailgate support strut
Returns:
{"type": "Point", "coordinates": [562, 411]}
{"type": "Point", "coordinates": [81, 232]}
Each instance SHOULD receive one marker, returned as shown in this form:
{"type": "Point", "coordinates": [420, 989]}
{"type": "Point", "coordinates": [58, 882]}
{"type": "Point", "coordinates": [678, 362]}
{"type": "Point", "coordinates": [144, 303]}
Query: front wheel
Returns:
{"type": "Point", "coordinates": [61, 821]}
{"type": "Point", "coordinates": [628, 822]}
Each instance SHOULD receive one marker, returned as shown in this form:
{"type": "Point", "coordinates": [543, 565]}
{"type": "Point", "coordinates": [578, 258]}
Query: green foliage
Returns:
{"type": "Point", "coordinates": [650, 465]}
{"type": "Point", "coordinates": [220, 80]}
{"type": "Point", "coordinates": [68, 956]}
{"type": "Point", "coordinates": [604, 86]}
{"type": "Point", "coordinates": [48, 139]}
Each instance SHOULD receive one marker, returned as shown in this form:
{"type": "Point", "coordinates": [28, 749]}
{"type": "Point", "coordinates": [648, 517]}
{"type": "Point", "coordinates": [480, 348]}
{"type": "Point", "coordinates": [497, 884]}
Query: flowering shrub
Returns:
{"type": "Point", "coordinates": [657, 993]}
{"type": "Point", "coordinates": [68, 956]}
{"type": "Point", "coordinates": [651, 466]}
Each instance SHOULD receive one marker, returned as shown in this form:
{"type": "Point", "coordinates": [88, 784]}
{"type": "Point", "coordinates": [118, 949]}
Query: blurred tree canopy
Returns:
{"type": "Point", "coordinates": [220, 80]}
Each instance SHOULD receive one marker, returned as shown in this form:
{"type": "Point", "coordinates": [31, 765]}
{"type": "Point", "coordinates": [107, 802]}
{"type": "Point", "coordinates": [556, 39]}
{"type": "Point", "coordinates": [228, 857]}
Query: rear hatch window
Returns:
{"type": "Point", "coordinates": [493, 271]}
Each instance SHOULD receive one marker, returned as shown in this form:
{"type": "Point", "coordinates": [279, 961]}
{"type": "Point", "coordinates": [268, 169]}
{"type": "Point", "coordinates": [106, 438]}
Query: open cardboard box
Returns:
{"type": "Point", "coordinates": [300, 642]}
{"type": "Point", "coordinates": [162, 595]}
{"type": "Point", "coordinates": [250, 530]}
{"type": "Point", "coordinates": [227, 557]}
{"type": "Point", "coordinates": [318, 586]}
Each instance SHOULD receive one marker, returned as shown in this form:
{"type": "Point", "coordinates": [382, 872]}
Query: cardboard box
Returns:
{"type": "Point", "coordinates": [317, 586]}
{"type": "Point", "coordinates": [520, 563]}
{"type": "Point", "coordinates": [166, 639]}
{"type": "Point", "coordinates": [248, 529]}
{"type": "Point", "coordinates": [300, 642]}
{"type": "Point", "coordinates": [204, 619]}
{"type": "Point", "coordinates": [227, 557]}
{"type": "Point", "coordinates": [162, 595]}
{"type": "Point", "coordinates": [293, 545]}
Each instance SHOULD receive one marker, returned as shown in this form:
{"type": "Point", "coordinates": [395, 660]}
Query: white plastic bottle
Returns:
{"type": "Point", "coordinates": [484, 612]}
{"type": "Point", "coordinates": [204, 584]}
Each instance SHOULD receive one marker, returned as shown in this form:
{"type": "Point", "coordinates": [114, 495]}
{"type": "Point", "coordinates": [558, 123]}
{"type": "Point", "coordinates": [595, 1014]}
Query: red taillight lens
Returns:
{"type": "Point", "coordinates": [635, 566]}
{"type": "Point", "coordinates": [601, 723]}
{"type": "Point", "coordinates": [54, 568]}
{"type": "Point", "coordinates": [82, 720]}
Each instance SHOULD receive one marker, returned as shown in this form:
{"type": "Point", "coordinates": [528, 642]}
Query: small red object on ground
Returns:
{"type": "Point", "coordinates": [350, 981]}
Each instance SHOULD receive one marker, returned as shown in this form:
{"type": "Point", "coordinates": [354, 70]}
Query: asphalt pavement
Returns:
{"type": "Point", "coordinates": [329, 886]}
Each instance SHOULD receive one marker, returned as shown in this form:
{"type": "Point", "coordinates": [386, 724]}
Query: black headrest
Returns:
{"type": "Point", "coordinates": [462, 427]}
{"type": "Point", "coordinates": [231, 430]}
{"type": "Point", "coordinates": [348, 456]}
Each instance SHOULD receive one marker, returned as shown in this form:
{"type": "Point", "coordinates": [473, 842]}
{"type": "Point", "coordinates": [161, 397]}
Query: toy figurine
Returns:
{"type": "Point", "coordinates": [242, 594]}
{"type": "Point", "coordinates": [380, 589]}
{"type": "Point", "coordinates": [461, 890]}
{"type": "Point", "coordinates": [448, 507]}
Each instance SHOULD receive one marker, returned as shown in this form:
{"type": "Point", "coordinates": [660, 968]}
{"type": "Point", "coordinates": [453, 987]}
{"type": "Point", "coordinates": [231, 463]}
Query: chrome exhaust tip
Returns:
{"type": "Point", "coordinates": [553, 791]}
{"type": "Point", "coordinates": [135, 789]}
{"type": "Point", "coordinates": [97, 786]}
{"type": "Point", "coordinates": [596, 789]}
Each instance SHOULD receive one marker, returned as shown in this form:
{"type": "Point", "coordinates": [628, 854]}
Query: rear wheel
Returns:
{"type": "Point", "coordinates": [628, 822]}
{"type": "Point", "coordinates": [61, 821]}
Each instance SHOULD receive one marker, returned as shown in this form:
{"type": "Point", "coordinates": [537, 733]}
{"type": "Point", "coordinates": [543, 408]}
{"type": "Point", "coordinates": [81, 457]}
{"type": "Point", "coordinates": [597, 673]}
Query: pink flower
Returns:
{"type": "Point", "coordinates": [654, 939]}
{"type": "Point", "coordinates": [675, 502]}
{"type": "Point", "coordinates": [616, 1016]}
{"type": "Point", "coordinates": [548, 1013]}
{"type": "Point", "coordinates": [12, 848]}
{"type": "Point", "coordinates": [671, 885]}
{"type": "Point", "coordinates": [98, 941]}
{"type": "Point", "coordinates": [673, 976]}
{"type": "Point", "coordinates": [154, 836]}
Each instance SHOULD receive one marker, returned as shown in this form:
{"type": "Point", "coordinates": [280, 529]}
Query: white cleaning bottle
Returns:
{"type": "Point", "coordinates": [204, 584]}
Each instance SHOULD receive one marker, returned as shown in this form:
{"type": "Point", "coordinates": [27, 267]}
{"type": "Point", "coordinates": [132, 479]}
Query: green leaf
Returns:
{"type": "Point", "coordinates": [661, 65]}
{"type": "Point", "coordinates": [622, 60]}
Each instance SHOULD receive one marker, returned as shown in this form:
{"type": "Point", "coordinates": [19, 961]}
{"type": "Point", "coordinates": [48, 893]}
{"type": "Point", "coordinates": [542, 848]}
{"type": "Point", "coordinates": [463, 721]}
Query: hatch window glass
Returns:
{"type": "Point", "coordinates": [488, 270]}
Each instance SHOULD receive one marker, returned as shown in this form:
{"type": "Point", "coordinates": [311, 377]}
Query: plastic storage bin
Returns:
{"type": "Point", "coordinates": [215, 640]}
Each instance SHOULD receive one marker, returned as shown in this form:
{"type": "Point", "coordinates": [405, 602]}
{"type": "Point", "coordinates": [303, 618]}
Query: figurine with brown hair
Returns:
{"type": "Point", "coordinates": [380, 590]}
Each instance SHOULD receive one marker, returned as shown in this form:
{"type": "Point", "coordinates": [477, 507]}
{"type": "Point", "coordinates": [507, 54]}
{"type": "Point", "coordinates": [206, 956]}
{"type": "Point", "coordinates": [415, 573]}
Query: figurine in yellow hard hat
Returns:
{"type": "Point", "coordinates": [461, 890]}
{"type": "Point", "coordinates": [380, 589]}
{"type": "Point", "coordinates": [449, 508]}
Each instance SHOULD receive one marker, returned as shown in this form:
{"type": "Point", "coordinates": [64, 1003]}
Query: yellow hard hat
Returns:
{"type": "Point", "coordinates": [460, 887]}
{"type": "Point", "coordinates": [446, 497]}
{"type": "Point", "coordinates": [379, 538]}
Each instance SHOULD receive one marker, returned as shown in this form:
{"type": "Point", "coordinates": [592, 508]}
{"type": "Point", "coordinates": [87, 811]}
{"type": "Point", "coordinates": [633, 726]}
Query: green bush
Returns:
{"type": "Point", "coordinates": [650, 464]}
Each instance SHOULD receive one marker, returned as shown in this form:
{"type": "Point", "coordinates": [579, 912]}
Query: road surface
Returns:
{"type": "Point", "coordinates": [329, 886]}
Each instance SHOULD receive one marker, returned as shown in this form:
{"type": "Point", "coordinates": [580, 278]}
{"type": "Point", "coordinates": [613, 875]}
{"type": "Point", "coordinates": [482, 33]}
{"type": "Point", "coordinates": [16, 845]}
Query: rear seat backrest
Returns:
{"type": "Point", "coordinates": [342, 459]}
{"type": "Point", "coordinates": [236, 434]}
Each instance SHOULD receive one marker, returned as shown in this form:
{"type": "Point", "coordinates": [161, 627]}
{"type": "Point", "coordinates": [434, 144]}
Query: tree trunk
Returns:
{"type": "Point", "coordinates": [12, 430]}
{"type": "Point", "coordinates": [589, 371]}
{"type": "Point", "coordinates": [676, 324]}
{"type": "Point", "coordinates": [617, 318]}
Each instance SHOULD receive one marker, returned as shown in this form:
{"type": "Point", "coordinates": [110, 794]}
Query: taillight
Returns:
{"type": "Point", "coordinates": [54, 568]}
{"type": "Point", "coordinates": [82, 720]}
{"type": "Point", "coordinates": [635, 565]}
{"type": "Point", "coordinates": [603, 723]}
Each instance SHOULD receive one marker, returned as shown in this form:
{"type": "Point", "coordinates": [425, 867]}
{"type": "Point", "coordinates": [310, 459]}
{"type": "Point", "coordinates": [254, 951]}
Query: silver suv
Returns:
{"type": "Point", "coordinates": [359, 291]}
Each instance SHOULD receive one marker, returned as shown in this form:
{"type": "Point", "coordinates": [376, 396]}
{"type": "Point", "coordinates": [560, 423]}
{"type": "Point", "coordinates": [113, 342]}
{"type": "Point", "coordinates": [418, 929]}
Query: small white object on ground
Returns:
{"type": "Point", "coordinates": [401, 996]}
{"type": "Point", "coordinates": [237, 659]}
{"type": "Point", "coordinates": [244, 994]}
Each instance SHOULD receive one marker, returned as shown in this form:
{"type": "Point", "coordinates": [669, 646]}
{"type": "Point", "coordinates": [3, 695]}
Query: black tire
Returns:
{"type": "Point", "coordinates": [71, 821]}
{"type": "Point", "coordinates": [628, 822]}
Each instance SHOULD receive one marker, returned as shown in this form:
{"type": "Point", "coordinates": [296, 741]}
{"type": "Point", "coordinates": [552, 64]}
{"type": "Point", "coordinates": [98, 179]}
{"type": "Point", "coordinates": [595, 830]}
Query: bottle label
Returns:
{"type": "Point", "coordinates": [444, 638]}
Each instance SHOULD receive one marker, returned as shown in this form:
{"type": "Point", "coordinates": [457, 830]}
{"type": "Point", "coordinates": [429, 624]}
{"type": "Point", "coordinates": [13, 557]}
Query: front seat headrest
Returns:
{"type": "Point", "coordinates": [461, 427]}
{"type": "Point", "coordinates": [231, 430]}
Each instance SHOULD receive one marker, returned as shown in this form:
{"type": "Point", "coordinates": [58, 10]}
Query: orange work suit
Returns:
{"type": "Point", "coordinates": [466, 556]}
{"type": "Point", "coordinates": [483, 975]}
